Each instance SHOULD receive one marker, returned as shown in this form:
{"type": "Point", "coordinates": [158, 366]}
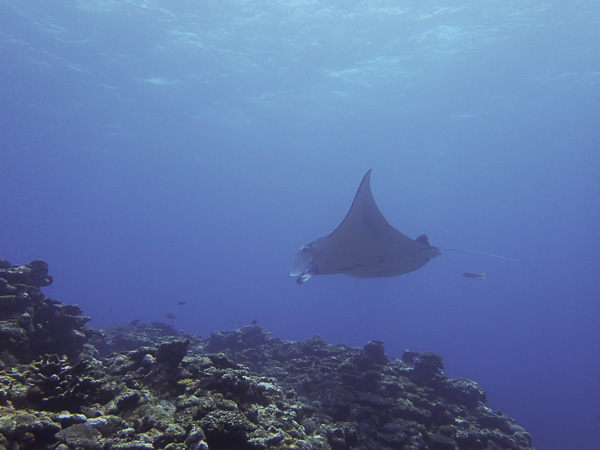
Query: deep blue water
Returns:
{"type": "Point", "coordinates": [162, 151]}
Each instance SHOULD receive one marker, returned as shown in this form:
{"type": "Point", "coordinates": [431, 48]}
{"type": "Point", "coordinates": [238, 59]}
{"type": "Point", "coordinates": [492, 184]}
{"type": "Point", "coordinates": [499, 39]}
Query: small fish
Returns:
{"type": "Point", "coordinates": [170, 316]}
{"type": "Point", "coordinates": [474, 275]}
{"type": "Point", "coordinates": [135, 322]}
{"type": "Point", "coordinates": [181, 303]}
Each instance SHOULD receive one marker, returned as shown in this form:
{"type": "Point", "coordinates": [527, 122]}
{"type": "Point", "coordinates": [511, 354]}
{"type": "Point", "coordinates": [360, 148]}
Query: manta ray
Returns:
{"type": "Point", "coordinates": [365, 245]}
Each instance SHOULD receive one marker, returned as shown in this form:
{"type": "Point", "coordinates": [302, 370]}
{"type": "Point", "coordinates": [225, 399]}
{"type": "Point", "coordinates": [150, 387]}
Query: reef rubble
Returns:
{"type": "Point", "coordinates": [147, 386]}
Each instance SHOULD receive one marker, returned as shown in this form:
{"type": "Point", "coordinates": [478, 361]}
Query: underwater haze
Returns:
{"type": "Point", "coordinates": [171, 157]}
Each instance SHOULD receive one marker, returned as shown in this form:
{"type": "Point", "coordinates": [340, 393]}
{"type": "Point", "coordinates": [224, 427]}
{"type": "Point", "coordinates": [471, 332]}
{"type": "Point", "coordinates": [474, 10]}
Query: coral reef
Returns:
{"type": "Point", "coordinates": [356, 398]}
{"type": "Point", "coordinates": [146, 386]}
{"type": "Point", "coordinates": [32, 325]}
{"type": "Point", "coordinates": [135, 335]}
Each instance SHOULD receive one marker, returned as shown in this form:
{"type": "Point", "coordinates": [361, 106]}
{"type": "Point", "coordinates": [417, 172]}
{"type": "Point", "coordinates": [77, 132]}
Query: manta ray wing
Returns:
{"type": "Point", "coordinates": [364, 245]}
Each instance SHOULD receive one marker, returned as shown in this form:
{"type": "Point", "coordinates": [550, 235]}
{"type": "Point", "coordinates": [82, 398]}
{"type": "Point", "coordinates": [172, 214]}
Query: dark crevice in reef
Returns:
{"type": "Point", "coordinates": [143, 386]}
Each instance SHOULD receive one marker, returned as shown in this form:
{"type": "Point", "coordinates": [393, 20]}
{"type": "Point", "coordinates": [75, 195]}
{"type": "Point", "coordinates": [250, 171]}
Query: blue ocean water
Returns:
{"type": "Point", "coordinates": [155, 152]}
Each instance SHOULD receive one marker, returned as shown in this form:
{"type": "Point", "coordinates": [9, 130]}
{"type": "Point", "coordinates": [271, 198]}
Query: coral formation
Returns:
{"type": "Point", "coordinates": [145, 386]}
{"type": "Point", "coordinates": [32, 325]}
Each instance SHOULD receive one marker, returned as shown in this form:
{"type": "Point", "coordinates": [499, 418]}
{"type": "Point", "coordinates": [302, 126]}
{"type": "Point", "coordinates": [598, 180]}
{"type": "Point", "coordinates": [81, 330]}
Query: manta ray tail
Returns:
{"type": "Point", "coordinates": [479, 253]}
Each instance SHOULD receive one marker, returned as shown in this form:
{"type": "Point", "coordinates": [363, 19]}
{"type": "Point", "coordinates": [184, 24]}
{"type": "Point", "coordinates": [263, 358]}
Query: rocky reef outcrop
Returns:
{"type": "Point", "coordinates": [32, 325]}
{"type": "Point", "coordinates": [145, 386]}
{"type": "Point", "coordinates": [357, 398]}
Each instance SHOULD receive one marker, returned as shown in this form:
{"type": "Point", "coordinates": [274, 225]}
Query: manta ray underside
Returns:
{"type": "Point", "coordinates": [364, 245]}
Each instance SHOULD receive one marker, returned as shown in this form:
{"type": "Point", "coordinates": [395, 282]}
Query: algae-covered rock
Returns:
{"type": "Point", "coordinates": [81, 435]}
{"type": "Point", "coordinates": [172, 352]}
{"type": "Point", "coordinates": [226, 429]}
